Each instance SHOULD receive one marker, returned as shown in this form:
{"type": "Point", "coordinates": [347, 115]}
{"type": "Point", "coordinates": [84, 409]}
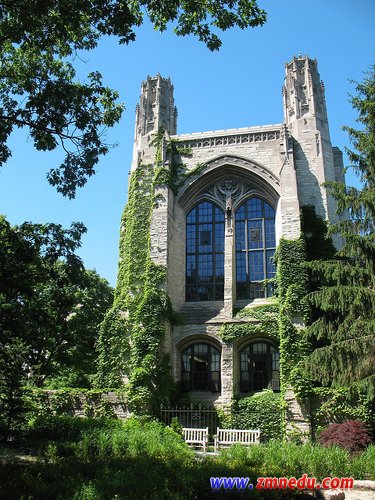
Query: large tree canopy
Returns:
{"type": "Point", "coordinates": [343, 336]}
{"type": "Point", "coordinates": [38, 88]}
{"type": "Point", "coordinates": [49, 304]}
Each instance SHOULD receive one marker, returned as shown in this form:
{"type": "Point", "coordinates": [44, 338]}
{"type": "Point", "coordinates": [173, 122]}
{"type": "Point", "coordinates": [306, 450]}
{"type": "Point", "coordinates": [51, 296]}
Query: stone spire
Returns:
{"type": "Point", "coordinates": [156, 110]}
{"type": "Point", "coordinates": [305, 115]}
{"type": "Point", "coordinates": [304, 96]}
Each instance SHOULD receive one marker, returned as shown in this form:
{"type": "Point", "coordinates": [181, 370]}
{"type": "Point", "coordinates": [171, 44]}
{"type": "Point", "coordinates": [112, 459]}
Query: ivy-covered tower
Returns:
{"type": "Point", "coordinates": [205, 214]}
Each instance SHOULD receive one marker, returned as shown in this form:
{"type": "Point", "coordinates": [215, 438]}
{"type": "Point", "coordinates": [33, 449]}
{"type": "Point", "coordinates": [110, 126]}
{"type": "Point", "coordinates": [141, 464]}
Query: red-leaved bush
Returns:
{"type": "Point", "coordinates": [352, 435]}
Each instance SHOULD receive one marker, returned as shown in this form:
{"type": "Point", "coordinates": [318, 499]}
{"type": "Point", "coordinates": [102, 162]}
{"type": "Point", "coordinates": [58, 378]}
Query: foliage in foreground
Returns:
{"type": "Point", "coordinates": [352, 435]}
{"type": "Point", "coordinates": [100, 459]}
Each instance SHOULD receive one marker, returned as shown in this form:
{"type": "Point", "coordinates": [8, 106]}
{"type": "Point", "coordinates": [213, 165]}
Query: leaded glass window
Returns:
{"type": "Point", "coordinates": [259, 366]}
{"type": "Point", "coordinates": [255, 247]}
{"type": "Point", "coordinates": [200, 368]}
{"type": "Point", "coordinates": [205, 253]}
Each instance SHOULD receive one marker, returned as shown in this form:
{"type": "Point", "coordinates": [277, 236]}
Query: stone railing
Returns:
{"type": "Point", "coordinates": [229, 140]}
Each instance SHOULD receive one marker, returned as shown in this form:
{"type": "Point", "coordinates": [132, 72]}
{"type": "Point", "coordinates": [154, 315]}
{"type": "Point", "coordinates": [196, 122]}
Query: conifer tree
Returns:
{"type": "Point", "coordinates": [342, 336]}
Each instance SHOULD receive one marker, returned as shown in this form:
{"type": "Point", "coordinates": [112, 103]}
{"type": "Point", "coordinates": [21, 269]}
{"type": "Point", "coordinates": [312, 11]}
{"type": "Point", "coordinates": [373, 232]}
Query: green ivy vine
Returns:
{"type": "Point", "coordinates": [292, 287]}
{"type": "Point", "coordinates": [174, 175]}
{"type": "Point", "coordinates": [260, 320]}
{"type": "Point", "coordinates": [68, 401]}
{"type": "Point", "coordinates": [131, 336]}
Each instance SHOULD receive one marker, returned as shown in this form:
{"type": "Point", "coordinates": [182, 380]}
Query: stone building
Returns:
{"type": "Point", "coordinates": [240, 191]}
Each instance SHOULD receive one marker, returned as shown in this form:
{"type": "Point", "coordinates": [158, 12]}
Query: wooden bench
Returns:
{"type": "Point", "coordinates": [196, 437]}
{"type": "Point", "coordinates": [227, 437]}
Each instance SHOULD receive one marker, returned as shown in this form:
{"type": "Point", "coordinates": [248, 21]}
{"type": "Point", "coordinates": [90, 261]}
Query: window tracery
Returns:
{"type": "Point", "coordinates": [252, 225]}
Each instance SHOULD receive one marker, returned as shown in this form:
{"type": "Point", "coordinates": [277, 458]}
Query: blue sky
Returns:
{"type": "Point", "coordinates": [238, 86]}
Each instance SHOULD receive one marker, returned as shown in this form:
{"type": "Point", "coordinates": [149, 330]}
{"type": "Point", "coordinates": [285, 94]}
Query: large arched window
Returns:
{"type": "Point", "coordinates": [205, 253]}
{"type": "Point", "coordinates": [200, 368]}
{"type": "Point", "coordinates": [255, 247]}
{"type": "Point", "coordinates": [259, 364]}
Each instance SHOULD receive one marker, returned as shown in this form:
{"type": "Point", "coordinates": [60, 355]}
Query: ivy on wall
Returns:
{"type": "Point", "coordinates": [331, 405]}
{"type": "Point", "coordinates": [261, 320]}
{"type": "Point", "coordinates": [261, 411]}
{"type": "Point", "coordinates": [175, 174]}
{"type": "Point", "coordinates": [132, 334]}
{"type": "Point", "coordinates": [292, 287]}
{"type": "Point", "coordinates": [89, 402]}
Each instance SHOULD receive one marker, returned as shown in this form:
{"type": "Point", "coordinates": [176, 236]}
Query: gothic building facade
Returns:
{"type": "Point", "coordinates": [239, 192]}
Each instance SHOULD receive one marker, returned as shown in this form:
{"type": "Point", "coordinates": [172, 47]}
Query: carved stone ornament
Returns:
{"type": "Point", "coordinates": [228, 186]}
{"type": "Point", "coordinates": [227, 192]}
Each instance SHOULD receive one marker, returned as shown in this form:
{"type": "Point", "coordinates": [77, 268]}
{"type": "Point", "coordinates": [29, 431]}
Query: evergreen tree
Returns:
{"type": "Point", "coordinates": [343, 335]}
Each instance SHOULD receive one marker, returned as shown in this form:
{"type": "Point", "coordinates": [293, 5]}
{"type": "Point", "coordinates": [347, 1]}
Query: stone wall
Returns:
{"type": "Point", "coordinates": [297, 416]}
{"type": "Point", "coordinates": [285, 164]}
{"type": "Point", "coordinates": [81, 404]}
{"type": "Point", "coordinates": [261, 144]}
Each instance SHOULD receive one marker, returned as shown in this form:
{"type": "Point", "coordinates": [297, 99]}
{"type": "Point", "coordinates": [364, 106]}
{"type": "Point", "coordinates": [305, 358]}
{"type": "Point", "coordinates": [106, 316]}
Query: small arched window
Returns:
{"type": "Point", "coordinates": [205, 253]}
{"type": "Point", "coordinates": [200, 368]}
{"type": "Point", "coordinates": [259, 365]}
{"type": "Point", "coordinates": [255, 247]}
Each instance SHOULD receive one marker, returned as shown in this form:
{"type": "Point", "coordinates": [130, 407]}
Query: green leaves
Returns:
{"type": "Point", "coordinates": [38, 91]}
{"type": "Point", "coordinates": [39, 40]}
{"type": "Point", "coordinates": [260, 320]}
{"type": "Point", "coordinates": [47, 299]}
{"type": "Point", "coordinates": [203, 18]}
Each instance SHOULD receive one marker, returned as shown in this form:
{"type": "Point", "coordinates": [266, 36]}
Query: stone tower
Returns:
{"type": "Point", "coordinates": [155, 110]}
{"type": "Point", "coordinates": [305, 112]}
{"type": "Point", "coordinates": [215, 229]}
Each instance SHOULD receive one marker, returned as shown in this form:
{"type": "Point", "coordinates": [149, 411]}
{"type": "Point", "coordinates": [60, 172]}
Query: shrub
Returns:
{"type": "Point", "coordinates": [133, 439]}
{"type": "Point", "coordinates": [260, 411]}
{"type": "Point", "coordinates": [64, 428]}
{"type": "Point", "coordinates": [352, 435]}
{"type": "Point", "coordinates": [176, 426]}
{"type": "Point", "coordinates": [278, 459]}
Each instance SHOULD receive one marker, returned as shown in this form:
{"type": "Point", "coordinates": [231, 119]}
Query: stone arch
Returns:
{"type": "Point", "coordinates": [189, 339]}
{"type": "Point", "coordinates": [200, 363]}
{"type": "Point", "coordinates": [259, 179]}
{"type": "Point", "coordinates": [256, 371]}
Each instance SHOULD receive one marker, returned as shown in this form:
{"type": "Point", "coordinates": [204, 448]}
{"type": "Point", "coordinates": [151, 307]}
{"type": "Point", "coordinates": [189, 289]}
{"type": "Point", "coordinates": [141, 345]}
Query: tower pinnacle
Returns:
{"type": "Point", "coordinates": [156, 110]}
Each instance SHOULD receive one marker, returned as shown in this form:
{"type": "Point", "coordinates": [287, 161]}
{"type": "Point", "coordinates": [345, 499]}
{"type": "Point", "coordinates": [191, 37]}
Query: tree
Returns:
{"type": "Point", "coordinates": [343, 335]}
{"type": "Point", "coordinates": [48, 301]}
{"type": "Point", "coordinates": [38, 89]}
{"type": "Point", "coordinates": [75, 365]}
{"type": "Point", "coordinates": [12, 378]}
